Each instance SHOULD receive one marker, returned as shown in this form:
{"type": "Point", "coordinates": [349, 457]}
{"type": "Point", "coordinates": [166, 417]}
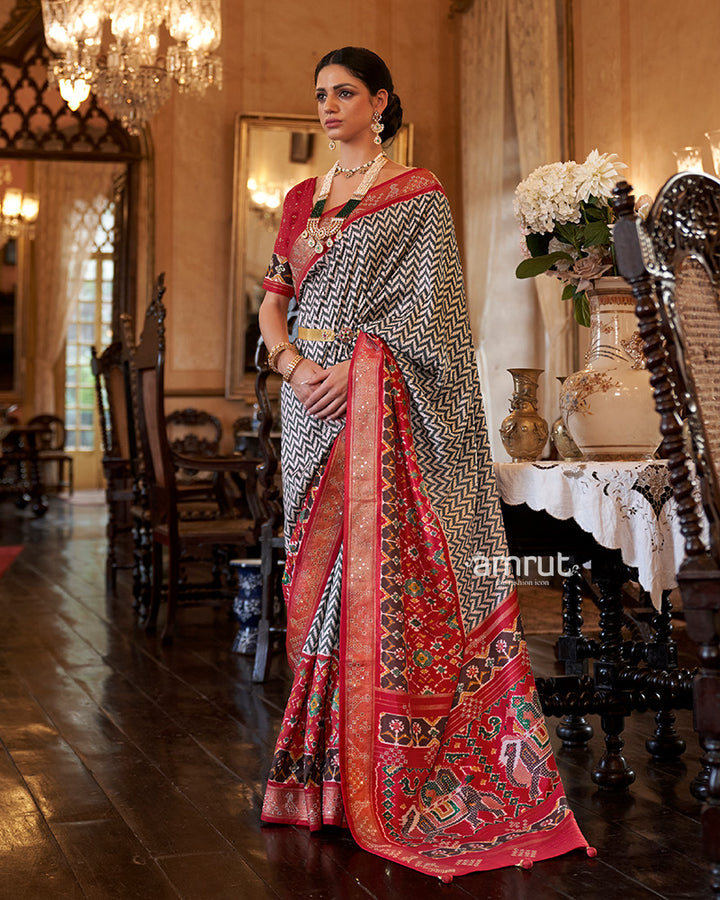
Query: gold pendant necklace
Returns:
{"type": "Point", "coordinates": [348, 173]}
{"type": "Point", "coordinates": [321, 236]}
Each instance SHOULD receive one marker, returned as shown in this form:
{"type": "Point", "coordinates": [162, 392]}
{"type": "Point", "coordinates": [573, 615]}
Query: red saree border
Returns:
{"type": "Point", "coordinates": [322, 537]}
{"type": "Point", "coordinates": [358, 639]}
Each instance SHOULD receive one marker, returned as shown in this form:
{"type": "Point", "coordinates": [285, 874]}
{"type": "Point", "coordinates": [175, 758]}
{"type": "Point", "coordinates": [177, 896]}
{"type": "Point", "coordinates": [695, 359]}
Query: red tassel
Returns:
{"type": "Point", "coordinates": [591, 852]}
{"type": "Point", "coordinates": [525, 864]}
{"type": "Point", "coordinates": [446, 879]}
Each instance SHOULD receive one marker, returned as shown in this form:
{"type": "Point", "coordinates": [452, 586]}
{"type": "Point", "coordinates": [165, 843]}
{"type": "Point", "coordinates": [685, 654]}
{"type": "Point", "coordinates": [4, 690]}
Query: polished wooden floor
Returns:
{"type": "Point", "coordinates": [129, 770]}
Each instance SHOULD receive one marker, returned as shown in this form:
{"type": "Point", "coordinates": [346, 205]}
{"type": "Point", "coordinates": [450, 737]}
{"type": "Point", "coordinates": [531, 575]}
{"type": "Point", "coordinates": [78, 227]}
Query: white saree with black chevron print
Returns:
{"type": "Point", "coordinates": [413, 718]}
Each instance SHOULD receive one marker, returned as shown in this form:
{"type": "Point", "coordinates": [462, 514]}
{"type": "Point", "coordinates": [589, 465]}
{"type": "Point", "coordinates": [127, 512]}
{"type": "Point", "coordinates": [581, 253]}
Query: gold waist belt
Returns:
{"type": "Point", "coordinates": [344, 335]}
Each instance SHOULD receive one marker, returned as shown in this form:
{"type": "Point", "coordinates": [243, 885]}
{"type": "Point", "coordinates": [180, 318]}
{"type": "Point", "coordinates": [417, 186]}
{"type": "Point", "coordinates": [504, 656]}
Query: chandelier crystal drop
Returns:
{"type": "Point", "coordinates": [130, 52]}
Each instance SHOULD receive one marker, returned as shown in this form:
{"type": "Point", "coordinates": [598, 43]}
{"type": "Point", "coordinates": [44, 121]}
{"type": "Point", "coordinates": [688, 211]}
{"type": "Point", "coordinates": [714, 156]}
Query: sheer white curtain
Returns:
{"type": "Point", "coordinates": [511, 125]}
{"type": "Point", "coordinates": [73, 196]}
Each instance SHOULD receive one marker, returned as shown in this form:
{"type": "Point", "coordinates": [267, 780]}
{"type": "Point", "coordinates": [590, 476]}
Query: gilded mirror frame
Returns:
{"type": "Point", "coordinates": [303, 143]}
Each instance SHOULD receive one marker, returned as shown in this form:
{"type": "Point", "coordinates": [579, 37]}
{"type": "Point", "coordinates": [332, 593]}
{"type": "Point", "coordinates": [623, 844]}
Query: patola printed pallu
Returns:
{"type": "Point", "coordinates": [413, 716]}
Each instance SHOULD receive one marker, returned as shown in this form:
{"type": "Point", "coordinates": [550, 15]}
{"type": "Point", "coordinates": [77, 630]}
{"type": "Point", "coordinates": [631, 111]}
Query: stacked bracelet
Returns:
{"type": "Point", "coordinates": [294, 363]}
{"type": "Point", "coordinates": [276, 351]}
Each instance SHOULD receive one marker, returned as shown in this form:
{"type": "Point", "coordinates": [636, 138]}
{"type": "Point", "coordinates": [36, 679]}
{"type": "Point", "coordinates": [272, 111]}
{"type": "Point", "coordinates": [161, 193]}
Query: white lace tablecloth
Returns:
{"type": "Point", "coordinates": [626, 506]}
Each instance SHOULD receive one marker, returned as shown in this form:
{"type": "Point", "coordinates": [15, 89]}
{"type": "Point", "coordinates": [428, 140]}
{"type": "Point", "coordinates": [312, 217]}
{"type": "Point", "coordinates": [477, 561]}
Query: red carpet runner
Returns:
{"type": "Point", "coordinates": [7, 557]}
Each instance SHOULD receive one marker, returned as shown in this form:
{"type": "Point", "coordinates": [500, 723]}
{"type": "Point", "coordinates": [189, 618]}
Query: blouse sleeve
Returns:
{"type": "Point", "coordinates": [279, 278]}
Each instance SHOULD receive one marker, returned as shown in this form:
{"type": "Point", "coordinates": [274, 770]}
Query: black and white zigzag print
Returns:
{"type": "Point", "coordinates": [396, 274]}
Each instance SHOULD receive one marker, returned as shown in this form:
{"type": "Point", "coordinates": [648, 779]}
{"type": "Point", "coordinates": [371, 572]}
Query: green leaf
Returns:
{"type": "Point", "coordinates": [596, 233]}
{"type": "Point", "coordinates": [582, 309]}
{"type": "Point", "coordinates": [529, 268]}
{"type": "Point", "coordinates": [568, 291]}
{"type": "Point", "coordinates": [593, 214]}
{"type": "Point", "coordinates": [569, 233]}
{"type": "Point", "coordinates": [538, 244]}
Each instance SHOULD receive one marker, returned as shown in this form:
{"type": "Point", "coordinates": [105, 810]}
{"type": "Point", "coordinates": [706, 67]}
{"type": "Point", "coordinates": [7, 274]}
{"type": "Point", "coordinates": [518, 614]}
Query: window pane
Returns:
{"type": "Point", "coordinates": [92, 326]}
{"type": "Point", "coordinates": [70, 439]}
{"type": "Point", "coordinates": [86, 311]}
{"type": "Point", "coordinates": [89, 270]}
{"type": "Point", "coordinates": [87, 439]}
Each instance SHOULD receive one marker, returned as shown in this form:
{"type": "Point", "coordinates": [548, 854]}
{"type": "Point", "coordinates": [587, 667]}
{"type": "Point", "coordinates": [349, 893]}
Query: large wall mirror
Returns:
{"type": "Point", "coordinates": [272, 153]}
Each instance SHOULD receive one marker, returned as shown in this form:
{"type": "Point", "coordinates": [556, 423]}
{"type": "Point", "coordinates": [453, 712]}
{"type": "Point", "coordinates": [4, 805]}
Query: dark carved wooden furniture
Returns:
{"type": "Point", "coordinates": [194, 431]}
{"type": "Point", "coordinates": [51, 450]}
{"type": "Point", "coordinates": [112, 392]}
{"type": "Point", "coordinates": [672, 262]}
{"type": "Point", "coordinates": [181, 537]}
{"type": "Point", "coordinates": [619, 673]}
{"type": "Point", "coordinates": [20, 469]}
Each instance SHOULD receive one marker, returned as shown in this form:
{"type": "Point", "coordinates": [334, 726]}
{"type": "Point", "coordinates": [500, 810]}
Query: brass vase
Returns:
{"type": "Point", "coordinates": [524, 432]}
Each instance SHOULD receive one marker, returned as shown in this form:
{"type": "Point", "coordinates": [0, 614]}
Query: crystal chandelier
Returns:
{"type": "Point", "coordinates": [18, 210]}
{"type": "Point", "coordinates": [129, 52]}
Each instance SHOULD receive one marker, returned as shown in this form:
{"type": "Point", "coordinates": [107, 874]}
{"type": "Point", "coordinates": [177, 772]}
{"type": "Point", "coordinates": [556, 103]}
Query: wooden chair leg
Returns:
{"type": "Point", "coordinates": [156, 587]}
{"type": "Point", "coordinates": [173, 589]}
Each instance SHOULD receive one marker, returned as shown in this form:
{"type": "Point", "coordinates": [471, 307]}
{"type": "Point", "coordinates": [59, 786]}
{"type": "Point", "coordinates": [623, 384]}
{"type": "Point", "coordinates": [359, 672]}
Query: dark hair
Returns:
{"type": "Point", "coordinates": [374, 74]}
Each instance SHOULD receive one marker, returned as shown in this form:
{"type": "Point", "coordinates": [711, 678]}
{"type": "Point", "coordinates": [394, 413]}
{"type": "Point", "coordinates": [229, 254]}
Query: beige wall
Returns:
{"type": "Point", "coordinates": [646, 82]}
{"type": "Point", "coordinates": [269, 53]}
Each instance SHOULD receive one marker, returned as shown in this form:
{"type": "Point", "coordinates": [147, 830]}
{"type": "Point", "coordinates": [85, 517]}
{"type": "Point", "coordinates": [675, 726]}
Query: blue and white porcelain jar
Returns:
{"type": "Point", "coordinates": [247, 605]}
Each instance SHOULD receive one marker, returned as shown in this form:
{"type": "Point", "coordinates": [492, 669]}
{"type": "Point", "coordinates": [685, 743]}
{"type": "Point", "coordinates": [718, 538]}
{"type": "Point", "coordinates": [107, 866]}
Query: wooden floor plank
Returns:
{"type": "Point", "coordinates": [130, 769]}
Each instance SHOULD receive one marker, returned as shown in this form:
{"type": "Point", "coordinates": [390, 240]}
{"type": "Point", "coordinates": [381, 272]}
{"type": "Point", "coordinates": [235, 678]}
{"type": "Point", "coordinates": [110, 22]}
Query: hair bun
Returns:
{"type": "Point", "coordinates": [392, 117]}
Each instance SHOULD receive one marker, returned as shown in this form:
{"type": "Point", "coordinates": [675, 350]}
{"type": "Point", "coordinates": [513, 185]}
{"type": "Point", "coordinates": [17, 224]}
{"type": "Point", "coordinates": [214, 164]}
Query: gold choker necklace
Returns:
{"type": "Point", "coordinates": [348, 173]}
{"type": "Point", "coordinates": [319, 236]}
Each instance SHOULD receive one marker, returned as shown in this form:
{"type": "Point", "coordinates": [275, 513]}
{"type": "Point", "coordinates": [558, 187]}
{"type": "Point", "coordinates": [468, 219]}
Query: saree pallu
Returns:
{"type": "Point", "coordinates": [413, 716]}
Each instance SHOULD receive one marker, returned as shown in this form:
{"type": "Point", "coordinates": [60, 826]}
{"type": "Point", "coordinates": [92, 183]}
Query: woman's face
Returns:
{"type": "Point", "coordinates": [345, 105]}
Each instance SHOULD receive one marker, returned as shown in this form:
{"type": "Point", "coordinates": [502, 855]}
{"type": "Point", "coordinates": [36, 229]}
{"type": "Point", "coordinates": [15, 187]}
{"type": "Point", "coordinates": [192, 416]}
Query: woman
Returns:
{"type": "Point", "coordinates": [413, 716]}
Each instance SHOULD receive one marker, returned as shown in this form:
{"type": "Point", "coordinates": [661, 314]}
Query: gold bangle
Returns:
{"type": "Point", "coordinates": [276, 351]}
{"type": "Point", "coordinates": [294, 363]}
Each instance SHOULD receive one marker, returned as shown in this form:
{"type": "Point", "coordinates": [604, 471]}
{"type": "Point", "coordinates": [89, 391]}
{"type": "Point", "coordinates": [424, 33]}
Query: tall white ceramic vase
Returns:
{"type": "Point", "coordinates": [608, 406]}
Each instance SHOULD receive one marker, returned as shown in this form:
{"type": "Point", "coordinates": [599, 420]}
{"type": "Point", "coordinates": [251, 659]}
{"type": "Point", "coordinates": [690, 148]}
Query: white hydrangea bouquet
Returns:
{"type": "Point", "coordinates": [564, 214]}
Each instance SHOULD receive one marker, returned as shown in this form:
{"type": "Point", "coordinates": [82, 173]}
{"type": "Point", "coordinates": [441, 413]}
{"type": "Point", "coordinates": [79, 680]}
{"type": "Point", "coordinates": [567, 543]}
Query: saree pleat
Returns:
{"type": "Point", "coordinates": [413, 715]}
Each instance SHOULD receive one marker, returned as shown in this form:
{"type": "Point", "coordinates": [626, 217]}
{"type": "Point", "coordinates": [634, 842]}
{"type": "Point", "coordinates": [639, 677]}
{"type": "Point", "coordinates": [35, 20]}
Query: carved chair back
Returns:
{"type": "Point", "coordinates": [112, 391]}
{"type": "Point", "coordinates": [149, 365]}
{"type": "Point", "coordinates": [673, 263]}
{"type": "Point", "coordinates": [53, 437]}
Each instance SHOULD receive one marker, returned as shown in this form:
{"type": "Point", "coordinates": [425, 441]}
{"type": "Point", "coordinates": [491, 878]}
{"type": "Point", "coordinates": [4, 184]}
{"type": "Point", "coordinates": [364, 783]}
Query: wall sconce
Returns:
{"type": "Point", "coordinates": [18, 210]}
{"type": "Point", "coordinates": [266, 201]}
{"type": "Point", "coordinates": [689, 159]}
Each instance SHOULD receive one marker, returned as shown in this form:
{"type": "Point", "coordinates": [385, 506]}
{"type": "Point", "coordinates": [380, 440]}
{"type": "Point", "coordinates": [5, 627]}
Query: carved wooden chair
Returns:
{"type": "Point", "coordinates": [672, 262]}
{"type": "Point", "coordinates": [51, 449]}
{"type": "Point", "coordinates": [195, 432]}
{"type": "Point", "coordinates": [272, 542]}
{"type": "Point", "coordinates": [112, 391]}
{"type": "Point", "coordinates": [181, 537]}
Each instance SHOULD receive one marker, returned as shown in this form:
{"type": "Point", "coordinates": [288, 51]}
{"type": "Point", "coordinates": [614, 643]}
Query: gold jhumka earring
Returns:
{"type": "Point", "coordinates": [377, 126]}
